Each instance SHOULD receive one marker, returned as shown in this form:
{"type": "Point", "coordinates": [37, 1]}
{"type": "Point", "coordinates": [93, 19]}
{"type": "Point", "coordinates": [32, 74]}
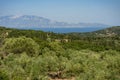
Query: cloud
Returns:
{"type": "Point", "coordinates": [16, 16]}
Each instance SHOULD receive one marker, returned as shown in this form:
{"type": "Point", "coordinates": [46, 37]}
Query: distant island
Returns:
{"type": "Point", "coordinates": [40, 23]}
{"type": "Point", "coordinates": [31, 21]}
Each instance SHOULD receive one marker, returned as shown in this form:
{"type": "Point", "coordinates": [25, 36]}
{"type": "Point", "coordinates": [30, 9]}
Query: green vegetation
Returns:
{"type": "Point", "coordinates": [21, 44]}
{"type": "Point", "coordinates": [37, 55]}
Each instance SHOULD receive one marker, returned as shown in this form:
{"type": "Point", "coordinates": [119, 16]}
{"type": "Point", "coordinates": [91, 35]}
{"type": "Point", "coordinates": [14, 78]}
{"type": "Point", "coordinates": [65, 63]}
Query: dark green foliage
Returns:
{"type": "Point", "coordinates": [3, 75]}
{"type": "Point", "coordinates": [97, 41]}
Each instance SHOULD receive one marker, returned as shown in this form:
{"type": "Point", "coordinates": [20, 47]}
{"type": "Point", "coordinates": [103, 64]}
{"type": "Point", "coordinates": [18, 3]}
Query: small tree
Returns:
{"type": "Point", "coordinates": [20, 45]}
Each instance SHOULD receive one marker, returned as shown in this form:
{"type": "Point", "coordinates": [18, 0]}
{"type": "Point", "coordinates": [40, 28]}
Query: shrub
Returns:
{"type": "Point", "coordinates": [3, 75]}
{"type": "Point", "coordinates": [20, 45]}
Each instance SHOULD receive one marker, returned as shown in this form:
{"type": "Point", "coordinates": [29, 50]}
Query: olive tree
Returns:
{"type": "Point", "coordinates": [20, 45]}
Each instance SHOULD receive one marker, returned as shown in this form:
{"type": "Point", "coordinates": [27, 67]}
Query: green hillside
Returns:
{"type": "Point", "coordinates": [115, 29]}
{"type": "Point", "coordinates": [39, 55]}
{"type": "Point", "coordinates": [112, 31]}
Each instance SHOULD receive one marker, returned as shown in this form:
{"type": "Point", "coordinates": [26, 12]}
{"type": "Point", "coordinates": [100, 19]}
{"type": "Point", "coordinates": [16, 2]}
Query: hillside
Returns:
{"type": "Point", "coordinates": [38, 55]}
{"type": "Point", "coordinates": [107, 32]}
{"type": "Point", "coordinates": [112, 31]}
{"type": "Point", "coordinates": [107, 38]}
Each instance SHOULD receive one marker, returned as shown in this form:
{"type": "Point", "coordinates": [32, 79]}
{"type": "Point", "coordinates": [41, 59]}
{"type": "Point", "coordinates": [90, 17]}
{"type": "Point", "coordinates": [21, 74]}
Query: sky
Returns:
{"type": "Point", "coordinates": [71, 11]}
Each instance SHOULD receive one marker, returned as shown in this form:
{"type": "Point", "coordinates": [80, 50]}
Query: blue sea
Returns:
{"type": "Point", "coordinates": [67, 30]}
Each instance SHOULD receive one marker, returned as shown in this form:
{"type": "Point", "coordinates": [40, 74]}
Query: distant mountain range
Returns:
{"type": "Point", "coordinates": [36, 22]}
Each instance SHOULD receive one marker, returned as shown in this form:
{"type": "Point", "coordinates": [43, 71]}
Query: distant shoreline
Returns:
{"type": "Point", "coordinates": [65, 30]}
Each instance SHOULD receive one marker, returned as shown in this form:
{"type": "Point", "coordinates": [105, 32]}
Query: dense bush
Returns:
{"type": "Point", "coordinates": [3, 75]}
{"type": "Point", "coordinates": [82, 65]}
{"type": "Point", "coordinates": [81, 58]}
{"type": "Point", "coordinates": [21, 44]}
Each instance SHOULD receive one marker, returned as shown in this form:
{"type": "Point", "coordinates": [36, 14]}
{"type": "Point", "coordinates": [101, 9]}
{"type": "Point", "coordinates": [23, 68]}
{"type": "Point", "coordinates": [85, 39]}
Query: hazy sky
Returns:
{"type": "Point", "coordinates": [88, 11]}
